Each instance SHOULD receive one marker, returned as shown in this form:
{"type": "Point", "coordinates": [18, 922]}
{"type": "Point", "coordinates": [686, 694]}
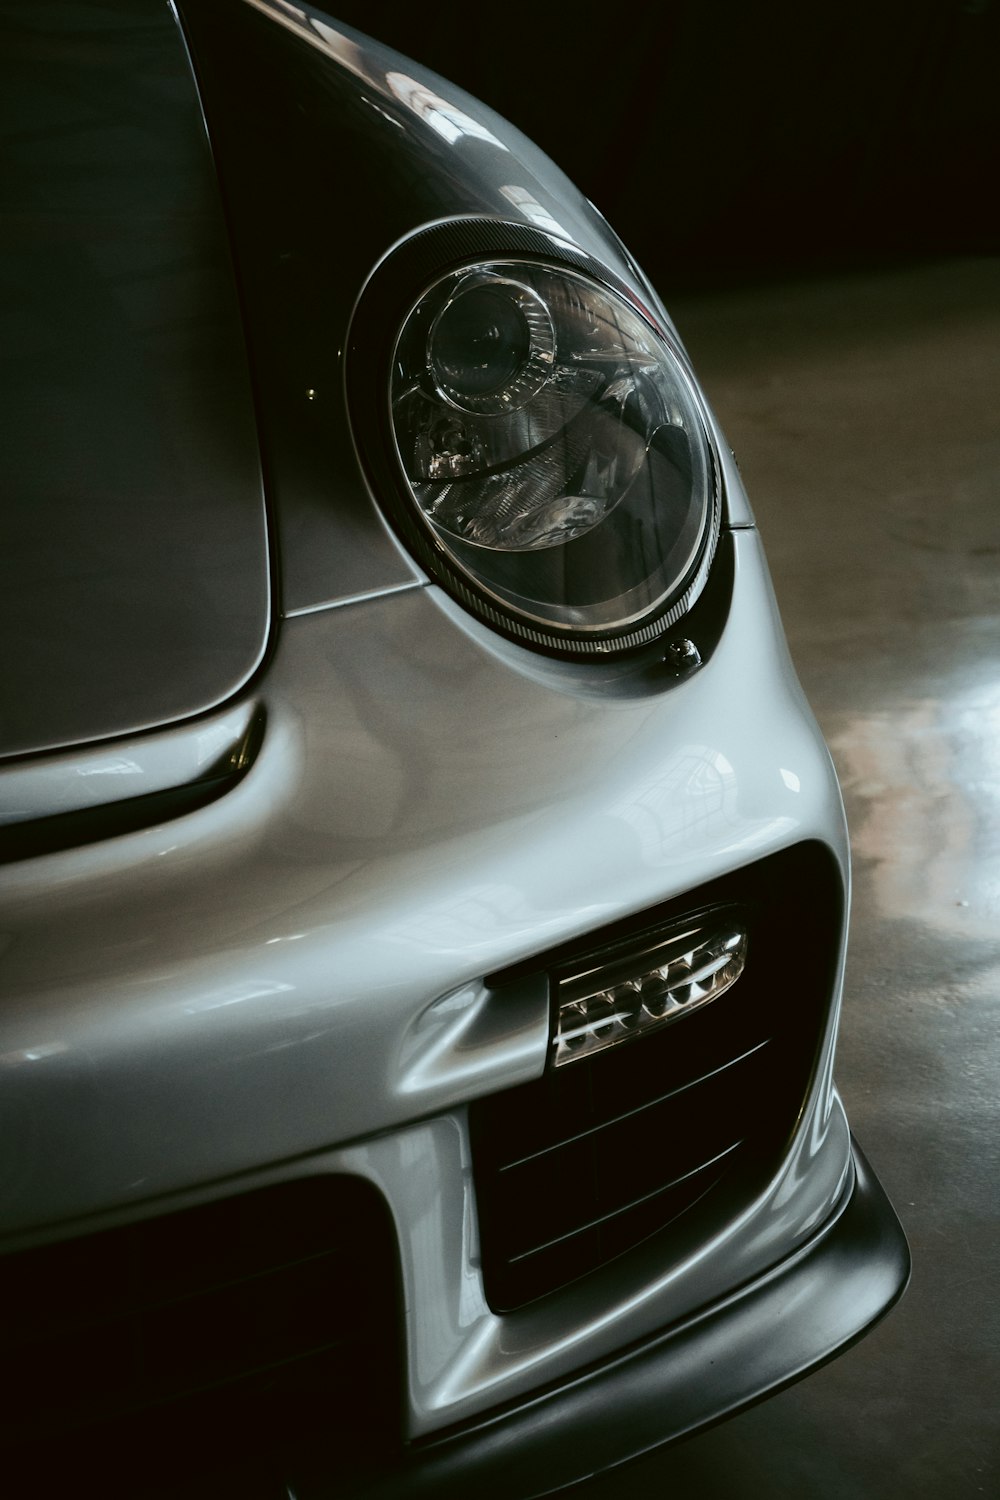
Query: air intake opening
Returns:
{"type": "Point", "coordinates": [197, 1341]}
{"type": "Point", "coordinates": [692, 1118]}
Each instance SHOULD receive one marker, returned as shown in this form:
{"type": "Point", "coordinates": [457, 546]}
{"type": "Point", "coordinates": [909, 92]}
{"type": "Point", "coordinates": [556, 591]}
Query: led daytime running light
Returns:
{"type": "Point", "coordinates": [599, 1008]}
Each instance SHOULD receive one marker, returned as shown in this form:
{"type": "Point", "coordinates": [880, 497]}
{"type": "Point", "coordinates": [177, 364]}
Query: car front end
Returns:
{"type": "Point", "coordinates": [421, 1023]}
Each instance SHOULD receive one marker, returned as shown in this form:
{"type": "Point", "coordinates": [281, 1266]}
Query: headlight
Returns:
{"type": "Point", "coordinates": [557, 474]}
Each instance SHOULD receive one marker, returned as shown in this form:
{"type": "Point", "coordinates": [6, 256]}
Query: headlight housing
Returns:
{"type": "Point", "coordinates": [541, 444]}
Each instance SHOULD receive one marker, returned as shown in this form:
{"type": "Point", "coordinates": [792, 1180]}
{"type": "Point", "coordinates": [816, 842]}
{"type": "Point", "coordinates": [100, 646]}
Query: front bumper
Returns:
{"type": "Point", "coordinates": [290, 982]}
{"type": "Point", "coordinates": [724, 1357]}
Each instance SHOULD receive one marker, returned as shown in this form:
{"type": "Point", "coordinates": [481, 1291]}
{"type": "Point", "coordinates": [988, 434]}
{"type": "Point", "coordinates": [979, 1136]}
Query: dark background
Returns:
{"type": "Point", "coordinates": [728, 141]}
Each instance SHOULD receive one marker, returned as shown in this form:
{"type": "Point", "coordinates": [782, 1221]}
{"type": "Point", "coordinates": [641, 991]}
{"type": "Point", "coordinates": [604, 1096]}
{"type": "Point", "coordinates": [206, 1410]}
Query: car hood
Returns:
{"type": "Point", "coordinates": [134, 557]}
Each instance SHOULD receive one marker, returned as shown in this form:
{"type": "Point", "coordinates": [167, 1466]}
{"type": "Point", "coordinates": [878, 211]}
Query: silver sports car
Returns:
{"type": "Point", "coordinates": [424, 886]}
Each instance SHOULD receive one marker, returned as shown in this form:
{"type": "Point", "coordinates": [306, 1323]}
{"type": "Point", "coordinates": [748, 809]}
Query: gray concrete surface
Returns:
{"type": "Point", "coordinates": [865, 413]}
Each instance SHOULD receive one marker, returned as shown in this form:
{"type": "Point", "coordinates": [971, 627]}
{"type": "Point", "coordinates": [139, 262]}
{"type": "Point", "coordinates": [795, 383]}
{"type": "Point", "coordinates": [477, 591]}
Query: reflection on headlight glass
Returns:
{"type": "Point", "coordinates": [552, 444]}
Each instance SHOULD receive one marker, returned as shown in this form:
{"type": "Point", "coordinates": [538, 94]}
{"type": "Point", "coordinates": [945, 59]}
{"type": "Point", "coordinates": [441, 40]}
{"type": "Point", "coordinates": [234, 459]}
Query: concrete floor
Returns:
{"type": "Point", "coordinates": [865, 413]}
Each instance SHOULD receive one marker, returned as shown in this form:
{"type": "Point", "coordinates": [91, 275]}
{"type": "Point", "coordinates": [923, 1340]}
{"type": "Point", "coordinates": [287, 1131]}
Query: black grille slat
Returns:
{"type": "Point", "coordinates": [607, 1239]}
{"type": "Point", "coordinates": [634, 1204]}
{"type": "Point", "coordinates": [608, 1168]}
{"type": "Point", "coordinates": [599, 1154]}
{"type": "Point", "coordinates": [638, 1110]}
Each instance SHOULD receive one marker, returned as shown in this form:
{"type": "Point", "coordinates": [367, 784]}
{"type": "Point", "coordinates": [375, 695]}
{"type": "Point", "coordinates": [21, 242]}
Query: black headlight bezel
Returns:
{"type": "Point", "coordinates": [403, 276]}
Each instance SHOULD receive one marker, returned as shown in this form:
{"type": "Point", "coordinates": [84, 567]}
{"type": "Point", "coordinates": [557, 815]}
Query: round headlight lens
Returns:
{"type": "Point", "coordinates": [554, 449]}
{"type": "Point", "coordinates": [491, 346]}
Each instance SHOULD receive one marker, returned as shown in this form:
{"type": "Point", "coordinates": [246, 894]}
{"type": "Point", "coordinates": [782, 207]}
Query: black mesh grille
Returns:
{"type": "Point", "coordinates": [221, 1325]}
{"type": "Point", "coordinates": [580, 1166]}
